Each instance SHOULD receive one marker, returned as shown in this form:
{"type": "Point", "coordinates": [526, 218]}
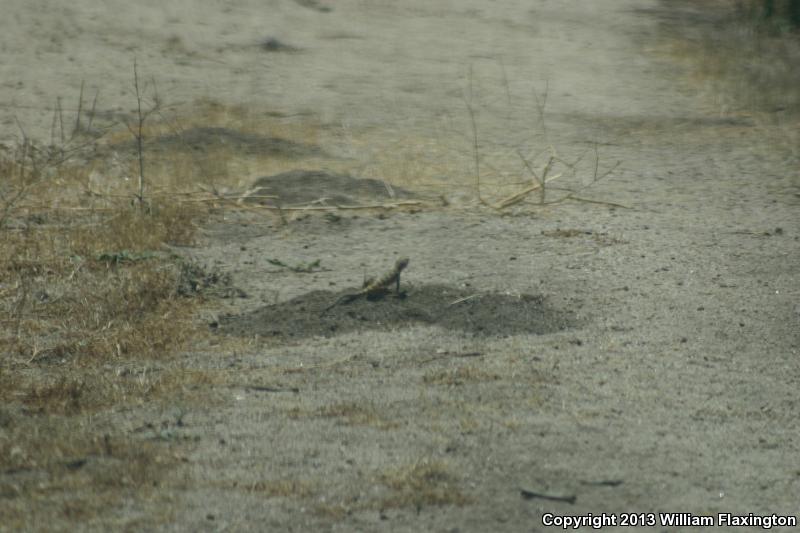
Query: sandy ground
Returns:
{"type": "Point", "coordinates": [668, 381]}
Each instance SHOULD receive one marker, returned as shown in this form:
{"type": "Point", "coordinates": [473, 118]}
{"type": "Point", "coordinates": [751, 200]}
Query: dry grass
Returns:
{"type": "Point", "coordinates": [92, 290]}
{"type": "Point", "coordinates": [747, 62]}
{"type": "Point", "coordinates": [356, 414]}
{"type": "Point", "coordinates": [459, 376]}
{"type": "Point", "coordinates": [272, 488]}
{"type": "Point", "coordinates": [66, 314]}
{"type": "Point", "coordinates": [348, 413]}
{"type": "Point", "coordinates": [422, 484]}
{"type": "Point", "coordinates": [184, 153]}
{"type": "Point", "coordinates": [59, 470]}
{"type": "Point", "coordinates": [93, 312]}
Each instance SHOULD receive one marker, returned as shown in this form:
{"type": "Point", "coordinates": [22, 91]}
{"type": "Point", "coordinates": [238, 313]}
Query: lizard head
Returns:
{"type": "Point", "coordinates": [401, 264]}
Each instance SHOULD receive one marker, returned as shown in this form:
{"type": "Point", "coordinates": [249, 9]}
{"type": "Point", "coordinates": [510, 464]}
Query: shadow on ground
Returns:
{"type": "Point", "coordinates": [487, 314]}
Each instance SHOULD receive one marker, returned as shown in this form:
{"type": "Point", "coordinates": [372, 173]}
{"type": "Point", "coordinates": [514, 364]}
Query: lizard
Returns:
{"type": "Point", "coordinates": [375, 287]}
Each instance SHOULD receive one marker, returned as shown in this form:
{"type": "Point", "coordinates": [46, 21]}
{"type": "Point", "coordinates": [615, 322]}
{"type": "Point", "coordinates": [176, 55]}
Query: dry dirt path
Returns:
{"type": "Point", "coordinates": [672, 384]}
{"type": "Point", "coordinates": [675, 391]}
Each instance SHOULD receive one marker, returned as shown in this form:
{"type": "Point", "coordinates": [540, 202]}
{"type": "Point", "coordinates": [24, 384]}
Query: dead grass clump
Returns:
{"type": "Point", "coordinates": [125, 310]}
{"type": "Point", "coordinates": [97, 286]}
{"type": "Point", "coordinates": [61, 396]}
{"type": "Point", "coordinates": [77, 391]}
{"type": "Point", "coordinates": [354, 414]}
{"type": "Point", "coordinates": [181, 385]}
{"type": "Point", "coordinates": [59, 468]}
{"type": "Point", "coordinates": [459, 376]}
{"type": "Point", "coordinates": [137, 232]}
{"type": "Point", "coordinates": [748, 59]}
{"type": "Point", "coordinates": [422, 484]}
{"type": "Point", "coordinates": [273, 488]}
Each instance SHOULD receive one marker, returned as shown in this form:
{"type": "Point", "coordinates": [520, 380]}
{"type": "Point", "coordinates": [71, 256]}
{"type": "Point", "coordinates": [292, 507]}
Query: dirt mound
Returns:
{"type": "Point", "coordinates": [301, 187]}
{"type": "Point", "coordinates": [451, 308]}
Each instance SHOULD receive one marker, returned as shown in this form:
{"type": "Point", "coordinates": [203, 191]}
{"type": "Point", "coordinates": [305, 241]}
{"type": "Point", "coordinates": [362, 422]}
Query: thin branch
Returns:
{"type": "Point", "coordinates": [91, 113]}
{"type": "Point", "coordinates": [505, 84]}
{"type": "Point", "coordinates": [60, 112]}
{"type": "Point", "coordinates": [540, 106]}
{"type": "Point", "coordinates": [590, 201]}
{"type": "Point", "coordinates": [529, 167]}
{"type": "Point", "coordinates": [77, 128]}
{"type": "Point", "coordinates": [475, 144]}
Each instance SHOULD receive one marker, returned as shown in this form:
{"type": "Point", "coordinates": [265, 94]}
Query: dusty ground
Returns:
{"type": "Point", "coordinates": [637, 355]}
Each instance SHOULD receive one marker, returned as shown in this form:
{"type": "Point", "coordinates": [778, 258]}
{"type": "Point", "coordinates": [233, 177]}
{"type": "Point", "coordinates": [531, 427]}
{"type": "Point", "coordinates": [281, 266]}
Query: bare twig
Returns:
{"type": "Point", "coordinates": [91, 113]}
{"type": "Point", "coordinates": [394, 205]}
{"type": "Point", "coordinates": [21, 303]}
{"type": "Point", "coordinates": [529, 167]}
{"type": "Point", "coordinates": [138, 130]}
{"type": "Point", "coordinates": [464, 299]}
{"type": "Point", "coordinates": [139, 135]}
{"type": "Point", "coordinates": [52, 128]}
{"type": "Point", "coordinates": [475, 144]}
{"type": "Point", "coordinates": [60, 118]}
{"type": "Point", "coordinates": [519, 196]}
{"type": "Point", "coordinates": [540, 107]}
{"type": "Point", "coordinates": [545, 171]}
{"type": "Point", "coordinates": [77, 128]}
{"type": "Point", "coordinates": [29, 163]}
{"type": "Point", "coordinates": [506, 85]}
{"type": "Point", "coordinates": [590, 201]}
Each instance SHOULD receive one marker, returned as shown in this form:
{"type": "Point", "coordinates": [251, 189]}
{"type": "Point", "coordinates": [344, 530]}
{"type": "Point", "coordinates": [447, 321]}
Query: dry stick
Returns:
{"type": "Point", "coordinates": [529, 167]}
{"type": "Point", "coordinates": [464, 299]}
{"type": "Point", "coordinates": [572, 166]}
{"type": "Point", "coordinates": [78, 115]}
{"type": "Point", "coordinates": [571, 195]}
{"type": "Point", "coordinates": [227, 198]}
{"type": "Point", "coordinates": [60, 118]}
{"type": "Point", "coordinates": [67, 208]}
{"type": "Point", "coordinates": [540, 106]}
{"type": "Point", "coordinates": [19, 307]}
{"type": "Point", "coordinates": [337, 207]}
{"type": "Point", "coordinates": [545, 171]}
{"type": "Point", "coordinates": [394, 205]}
{"type": "Point", "coordinates": [325, 208]}
{"type": "Point", "coordinates": [508, 90]}
{"type": "Point", "coordinates": [52, 127]}
{"type": "Point", "coordinates": [475, 144]}
{"type": "Point", "coordinates": [517, 197]}
{"type": "Point", "coordinates": [31, 162]}
{"type": "Point", "coordinates": [24, 154]}
{"type": "Point", "coordinates": [91, 113]}
{"type": "Point", "coordinates": [139, 135]}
